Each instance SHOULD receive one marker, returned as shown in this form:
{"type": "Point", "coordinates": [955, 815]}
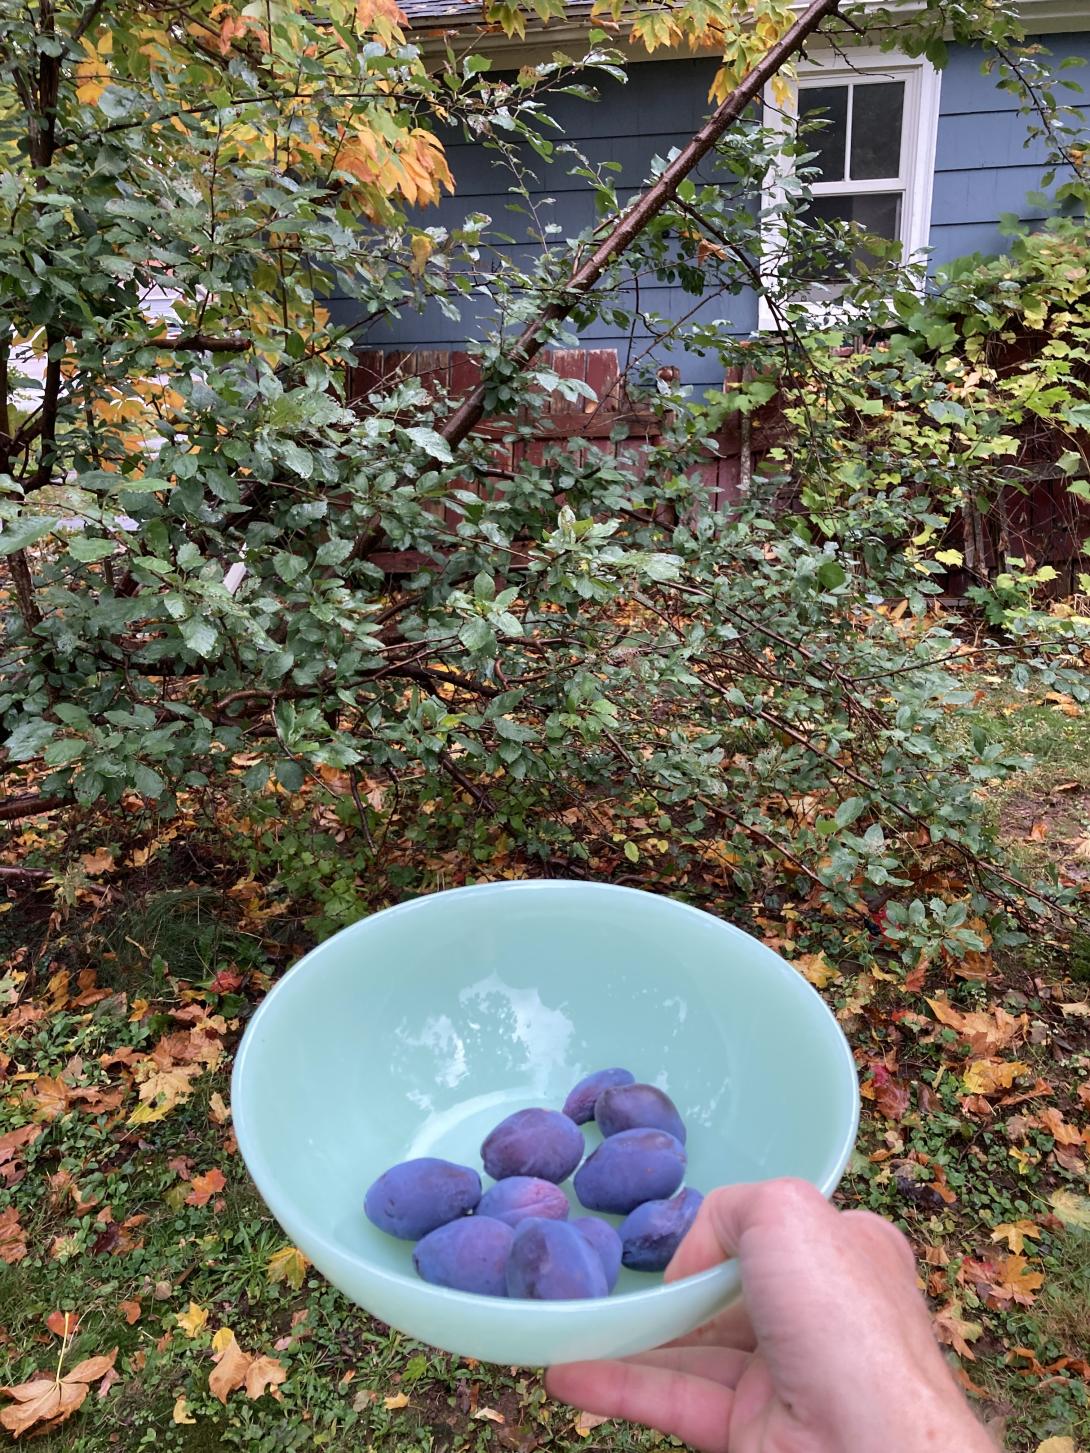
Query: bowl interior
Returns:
{"type": "Point", "coordinates": [415, 1031]}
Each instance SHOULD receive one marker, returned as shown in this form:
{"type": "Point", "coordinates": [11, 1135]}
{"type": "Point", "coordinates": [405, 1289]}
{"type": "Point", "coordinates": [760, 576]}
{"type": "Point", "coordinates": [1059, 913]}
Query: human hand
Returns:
{"type": "Point", "coordinates": [832, 1351]}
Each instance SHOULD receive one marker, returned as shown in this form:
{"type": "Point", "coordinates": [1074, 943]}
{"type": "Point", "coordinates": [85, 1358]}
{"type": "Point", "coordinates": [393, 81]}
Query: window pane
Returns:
{"type": "Point", "coordinates": [830, 139]}
{"type": "Point", "coordinates": [878, 213]}
{"type": "Point", "coordinates": [877, 116]}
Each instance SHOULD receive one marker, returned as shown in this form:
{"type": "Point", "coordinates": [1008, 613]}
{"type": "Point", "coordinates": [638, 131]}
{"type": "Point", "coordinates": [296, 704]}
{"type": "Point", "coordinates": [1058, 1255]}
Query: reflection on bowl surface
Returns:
{"type": "Point", "coordinates": [415, 1031]}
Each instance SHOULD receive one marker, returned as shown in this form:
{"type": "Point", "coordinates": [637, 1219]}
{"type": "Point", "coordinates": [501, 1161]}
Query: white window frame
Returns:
{"type": "Point", "coordinates": [919, 132]}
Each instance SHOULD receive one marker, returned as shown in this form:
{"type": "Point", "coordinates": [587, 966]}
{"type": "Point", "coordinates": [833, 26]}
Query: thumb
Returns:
{"type": "Point", "coordinates": [728, 1213]}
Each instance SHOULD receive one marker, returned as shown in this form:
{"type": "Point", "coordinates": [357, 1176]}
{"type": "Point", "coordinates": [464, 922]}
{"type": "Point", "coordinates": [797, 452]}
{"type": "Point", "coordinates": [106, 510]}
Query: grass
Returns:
{"type": "Point", "coordinates": [111, 1211]}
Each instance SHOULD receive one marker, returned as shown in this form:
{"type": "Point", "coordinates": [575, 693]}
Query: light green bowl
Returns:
{"type": "Point", "coordinates": [417, 1030]}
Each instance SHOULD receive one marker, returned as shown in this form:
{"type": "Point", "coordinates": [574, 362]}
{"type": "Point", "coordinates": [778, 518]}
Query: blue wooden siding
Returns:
{"type": "Point", "coordinates": [984, 167]}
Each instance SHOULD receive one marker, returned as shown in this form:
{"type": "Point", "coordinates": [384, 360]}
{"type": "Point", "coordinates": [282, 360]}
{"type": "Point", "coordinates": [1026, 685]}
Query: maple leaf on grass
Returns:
{"type": "Point", "coordinates": [288, 1264]}
{"type": "Point", "coordinates": [46, 1401]}
{"type": "Point", "coordinates": [1015, 1234]}
{"type": "Point", "coordinates": [205, 1187]}
{"type": "Point", "coordinates": [954, 1331]}
{"type": "Point", "coordinates": [235, 1368]}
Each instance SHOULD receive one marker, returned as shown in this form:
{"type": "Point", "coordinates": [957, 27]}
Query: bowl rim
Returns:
{"type": "Point", "coordinates": [266, 1180]}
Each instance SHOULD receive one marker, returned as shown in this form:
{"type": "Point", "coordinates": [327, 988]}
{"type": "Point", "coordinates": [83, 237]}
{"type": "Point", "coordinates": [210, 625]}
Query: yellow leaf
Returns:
{"type": "Point", "coordinates": [1057, 1445]}
{"type": "Point", "coordinates": [1073, 1210]}
{"type": "Point", "coordinates": [181, 1413]}
{"type": "Point", "coordinates": [815, 969]}
{"type": "Point", "coordinates": [422, 248]}
{"type": "Point", "coordinates": [222, 1339]}
{"type": "Point", "coordinates": [585, 1423]}
{"type": "Point", "coordinates": [218, 1109]}
{"type": "Point", "coordinates": [288, 1264]}
{"type": "Point", "coordinates": [985, 1076]}
{"type": "Point", "coordinates": [193, 1322]}
{"type": "Point", "coordinates": [399, 1400]}
{"type": "Point", "coordinates": [98, 862]}
{"type": "Point", "coordinates": [490, 1415]}
{"type": "Point", "coordinates": [949, 557]}
{"type": "Point", "coordinates": [1014, 1233]}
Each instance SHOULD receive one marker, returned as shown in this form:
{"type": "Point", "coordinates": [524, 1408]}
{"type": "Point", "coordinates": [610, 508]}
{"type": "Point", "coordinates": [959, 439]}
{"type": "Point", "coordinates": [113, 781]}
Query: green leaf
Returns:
{"type": "Point", "coordinates": [632, 852]}
{"type": "Point", "coordinates": [23, 531]}
{"type": "Point", "coordinates": [199, 635]}
{"type": "Point", "coordinates": [146, 484]}
{"type": "Point", "coordinates": [848, 811]}
{"type": "Point", "coordinates": [831, 574]}
{"type": "Point", "coordinates": [146, 781]}
{"type": "Point", "coordinates": [289, 774]}
{"type": "Point", "coordinates": [89, 551]}
{"type": "Point", "coordinates": [432, 443]}
{"type": "Point", "coordinates": [29, 737]}
{"type": "Point", "coordinates": [63, 750]}
{"type": "Point", "coordinates": [476, 635]}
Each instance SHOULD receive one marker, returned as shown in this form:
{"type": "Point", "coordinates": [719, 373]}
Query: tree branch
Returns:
{"type": "Point", "coordinates": [17, 807]}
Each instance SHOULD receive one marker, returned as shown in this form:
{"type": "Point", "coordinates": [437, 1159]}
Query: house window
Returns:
{"type": "Point", "coordinates": [874, 156]}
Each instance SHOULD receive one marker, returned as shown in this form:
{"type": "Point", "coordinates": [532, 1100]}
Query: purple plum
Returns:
{"type": "Point", "coordinates": [517, 1197]}
{"type": "Point", "coordinates": [469, 1255]}
{"type": "Point", "coordinates": [629, 1168]}
{"type": "Point", "coordinates": [606, 1243]}
{"type": "Point", "coordinates": [655, 1230]}
{"type": "Point", "coordinates": [637, 1107]}
{"type": "Point", "coordinates": [551, 1261]}
{"type": "Point", "coordinates": [541, 1143]}
{"type": "Point", "coordinates": [579, 1106]}
{"type": "Point", "coordinates": [416, 1196]}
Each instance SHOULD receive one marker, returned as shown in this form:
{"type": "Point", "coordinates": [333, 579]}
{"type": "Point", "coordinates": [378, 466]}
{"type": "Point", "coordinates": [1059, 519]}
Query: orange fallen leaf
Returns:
{"type": "Point", "coordinates": [100, 861]}
{"type": "Point", "coordinates": [12, 1237]}
{"type": "Point", "coordinates": [1038, 833]}
{"type": "Point", "coordinates": [985, 1031]}
{"type": "Point", "coordinates": [1052, 1121]}
{"type": "Point", "coordinates": [62, 1324]}
{"type": "Point", "coordinates": [50, 1097]}
{"type": "Point", "coordinates": [232, 1365]}
{"type": "Point", "coordinates": [1016, 1281]}
{"type": "Point", "coordinates": [815, 969]}
{"type": "Point", "coordinates": [218, 1109]}
{"type": "Point", "coordinates": [265, 1374]}
{"type": "Point", "coordinates": [130, 1311]}
{"type": "Point", "coordinates": [46, 1401]}
{"type": "Point", "coordinates": [205, 1187]}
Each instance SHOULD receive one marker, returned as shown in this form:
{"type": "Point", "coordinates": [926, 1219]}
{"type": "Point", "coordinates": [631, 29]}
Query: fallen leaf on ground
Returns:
{"type": "Point", "coordinates": [1014, 1233]}
{"type": "Point", "coordinates": [181, 1413]}
{"type": "Point", "coordinates": [955, 1331]}
{"type": "Point", "coordinates": [985, 1031]}
{"type": "Point", "coordinates": [1057, 1445]}
{"type": "Point", "coordinates": [219, 1110]}
{"type": "Point", "coordinates": [585, 1423]}
{"type": "Point", "coordinates": [265, 1374]}
{"type": "Point", "coordinates": [1038, 833]}
{"type": "Point", "coordinates": [193, 1321]}
{"type": "Point", "coordinates": [205, 1187]}
{"type": "Point", "coordinates": [1073, 1210]}
{"type": "Point", "coordinates": [986, 1076]}
{"type": "Point", "coordinates": [399, 1400]}
{"type": "Point", "coordinates": [1016, 1282]}
{"type": "Point", "coordinates": [12, 1237]}
{"type": "Point", "coordinates": [12, 1143]}
{"type": "Point", "coordinates": [1075, 1011]}
{"type": "Point", "coordinates": [46, 1401]}
{"type": "Point", "coordinates": [490, 1415]}
{"type": "Point", "coordinates": [62, 1324]}
{"type": "Point", "coordinates": [815, 969]}
{"type": "Point", "coordinates": [130, 1311]}
{"type": "Point", "coordinates": [97, 862]}
{"type": "Point", "coordinates": [232, 1365]}
{"type": "Point", "coordinates": [288, 1264]}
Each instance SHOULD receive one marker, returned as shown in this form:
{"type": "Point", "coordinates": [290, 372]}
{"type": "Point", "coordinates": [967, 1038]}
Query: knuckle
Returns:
{"type": "Point", "coordinates": [794, 1197]}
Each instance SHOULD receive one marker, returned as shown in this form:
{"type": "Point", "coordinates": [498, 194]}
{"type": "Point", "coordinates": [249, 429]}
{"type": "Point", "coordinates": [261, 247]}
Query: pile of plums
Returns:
{"type": "Point", "coordinates": [515, 1239]}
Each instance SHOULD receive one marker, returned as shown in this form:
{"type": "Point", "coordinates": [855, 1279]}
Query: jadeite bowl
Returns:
{"type": "Point", "coordinates": [418, 1029]}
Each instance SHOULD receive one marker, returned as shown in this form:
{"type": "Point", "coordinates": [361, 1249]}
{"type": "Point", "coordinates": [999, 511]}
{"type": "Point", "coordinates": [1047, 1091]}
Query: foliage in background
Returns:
{"type": "Point", "coordinates": [191, 509]}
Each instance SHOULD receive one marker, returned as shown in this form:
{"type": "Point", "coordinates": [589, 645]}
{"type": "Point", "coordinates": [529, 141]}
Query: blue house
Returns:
{"type": "Point", "coordinates": [932, 159]}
